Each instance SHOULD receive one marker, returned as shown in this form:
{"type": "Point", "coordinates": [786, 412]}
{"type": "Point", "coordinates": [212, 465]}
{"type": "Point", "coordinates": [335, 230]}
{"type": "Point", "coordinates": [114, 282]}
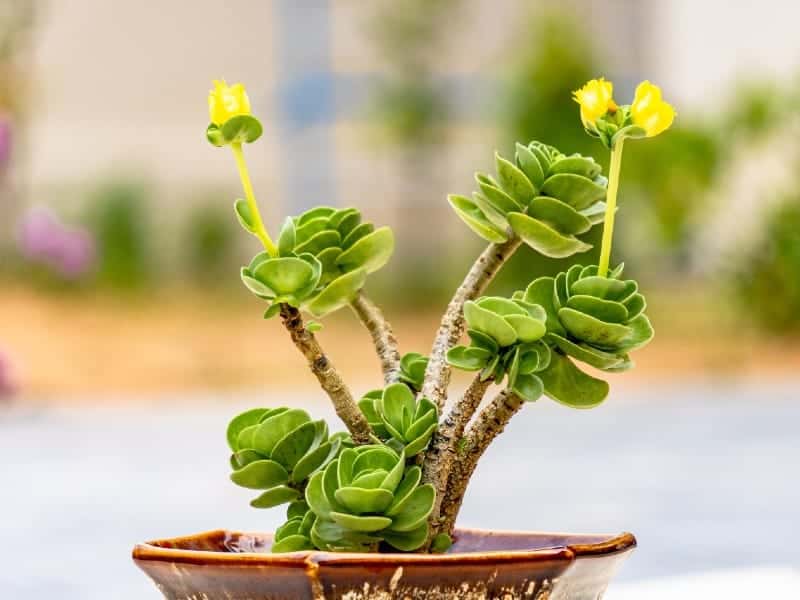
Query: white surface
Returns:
{"type": "Point", "coordinates": [745, 584]}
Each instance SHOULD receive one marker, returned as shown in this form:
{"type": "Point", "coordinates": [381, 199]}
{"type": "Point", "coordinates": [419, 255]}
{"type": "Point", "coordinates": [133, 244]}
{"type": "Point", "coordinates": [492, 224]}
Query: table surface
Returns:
{"type": "Point", "coordinates": [704, 475]}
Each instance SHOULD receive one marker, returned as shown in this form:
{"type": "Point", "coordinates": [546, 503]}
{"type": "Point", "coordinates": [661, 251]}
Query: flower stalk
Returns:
{"type": "Point", "coordinates": [611, 207]}
{"type": "Point", "coordinates": [257, 222]}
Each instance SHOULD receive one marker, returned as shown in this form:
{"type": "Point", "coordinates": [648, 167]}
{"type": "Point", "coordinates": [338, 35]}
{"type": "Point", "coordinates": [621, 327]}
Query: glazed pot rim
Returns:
{"type": "Point", "coordinates": [571, 547]}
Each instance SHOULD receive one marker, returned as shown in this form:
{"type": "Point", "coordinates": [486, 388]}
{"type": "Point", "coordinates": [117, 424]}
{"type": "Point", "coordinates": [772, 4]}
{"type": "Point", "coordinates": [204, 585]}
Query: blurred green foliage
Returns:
{"type": "Point", "coordinates": [767, 282]}
{"type": "Point", "coordinates": [118, 217]}
{"type": "Point", "coordinates": [209, 240]}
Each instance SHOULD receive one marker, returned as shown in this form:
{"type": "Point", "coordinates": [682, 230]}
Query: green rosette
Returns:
{"type": "Point", "coordinates": [544, 197]}
{"type": "Point", "coordinates": [276, 451]}
{"type": "Point", "coordinates": [412, 370]}
{"type": "Point", "coordinates": [340, 248]}
{"type": "Point", "coordinates": [594, 320]}
{"type": "Point", "coordinates": [368, 496]}
{"type": "Point", "coordinates": [506, 339]}
{"type": "Point", "coordinates": [399, 419]}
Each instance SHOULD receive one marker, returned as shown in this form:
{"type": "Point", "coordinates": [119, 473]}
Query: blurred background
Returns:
{"type": "Point", "coordinates": [127, 340]}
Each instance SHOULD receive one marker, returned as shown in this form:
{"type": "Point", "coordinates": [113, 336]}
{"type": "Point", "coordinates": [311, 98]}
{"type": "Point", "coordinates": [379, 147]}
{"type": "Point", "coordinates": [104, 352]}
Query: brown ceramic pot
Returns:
{"type": "Point", "coordinates": [224, 565]}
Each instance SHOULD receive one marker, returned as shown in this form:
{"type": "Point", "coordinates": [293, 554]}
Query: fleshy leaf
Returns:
{"type": "Point", "coordinates": [275, 497]}
{"type": "Point", "coordinates": [544, 239]}
{"type": "Point", "coordinates": [579, 192]}
{"type": "Point", "coordinates": [370, 252]}
{"type": "Point", "coordinates": [338, 293]}
{"type": "Point", "coordinates": [567, 384]}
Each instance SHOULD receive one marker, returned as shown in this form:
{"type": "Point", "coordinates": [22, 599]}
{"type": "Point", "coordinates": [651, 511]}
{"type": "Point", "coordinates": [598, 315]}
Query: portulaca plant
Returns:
{"type": "Point", "coordinates": [396, 478]}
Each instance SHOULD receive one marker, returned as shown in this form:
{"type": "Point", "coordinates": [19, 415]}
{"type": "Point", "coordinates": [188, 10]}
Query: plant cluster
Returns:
{"type": "Point", "coordinates": [396, 478]}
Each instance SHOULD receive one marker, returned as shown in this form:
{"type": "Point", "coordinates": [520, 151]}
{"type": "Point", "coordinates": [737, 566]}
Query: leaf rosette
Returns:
{"type": "Point", "coordinates": [412, 370]}
{"type": "Point", "coordinates": [338, 249]}
{"type": "Point", "coordinates": [594, 320]}
{"type": "Point", "coordinates": [277, 450]}
{"type": "Point", "coordinates": [545, 197]}
{"type": "Point", "coordinates": [368, 496]}
{"type": "Point", "coordinates": [505, 339]}
{"type": "Point", "coordinates": [399, 419]}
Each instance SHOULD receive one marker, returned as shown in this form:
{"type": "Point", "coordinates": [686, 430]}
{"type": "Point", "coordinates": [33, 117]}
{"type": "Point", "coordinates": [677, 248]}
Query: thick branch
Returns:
{"type": "Point", "coordinates": [382, 336]}
{"type": "Point", "coordinates": [437, 375]}
{"type": "Point", "coordinates": [490, 423]}
{"type": "Point", "coordinates": [442, 451]}
{"type": "Point", "coordinates": [329, 378]}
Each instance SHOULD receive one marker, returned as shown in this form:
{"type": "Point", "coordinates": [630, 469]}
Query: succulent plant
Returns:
{"type": "Point", "coordinates": [595, 320]}
{"type": "Point", "coordinates": [368, 496]}
{"type": "Point", "coordinates": [277, 450]}
{"type": "Point", "coordinates": [396, 417]}
{"type": "Point", "coordinates": [545, 197]}
{"type": "Point", "coordinates": [505, 338]}
{"type": "Point", "coordinates": [412, 370]}
{"type": "Point", "coordinates": [324, 257]}
{"type": "Point", "coordinates": [295, 534]}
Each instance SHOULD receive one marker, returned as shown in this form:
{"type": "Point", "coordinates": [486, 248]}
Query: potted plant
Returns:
{"type": "Point", "coordinates": [371, 511]}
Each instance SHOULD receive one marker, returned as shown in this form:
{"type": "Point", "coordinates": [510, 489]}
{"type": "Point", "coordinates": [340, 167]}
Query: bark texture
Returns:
{"type": "Point", "coordinates": [382, 336]}
{"type": "Point", "coordinates": [327, 375]}
{"type": "Point", "coordinates": [437, 375]}
{"type": "Point", "coordinates": [490, 423]}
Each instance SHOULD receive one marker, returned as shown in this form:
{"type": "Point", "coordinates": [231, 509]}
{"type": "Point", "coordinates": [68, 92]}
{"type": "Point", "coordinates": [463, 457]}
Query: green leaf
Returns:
{"type": "Point", "coordinates": [214, 135]}
{"type": "Point", "coordinates": [489, 323]}
{"type": "Point", "coordinates": [490, 212]}
{"type": "Point", "coordinates": [242, 210]}
{"type": "Point", "coordinates": [241, 129]}
{"type": "Point", "coordinates": [404, 491]}
{"type": "Point", "coordinates": [484, 341]}
{"type": "Point", "coordinates": [297, 509]}
{"type": "Point", "coordinates": [513, 181]}
{"type": "Point", "coordinates": [345, 220]}
{"type": "Point", "coordinates": [579, 192]}
{"type": "Point", "coordinates": [273, 310]}
{"type": "Point", "coordinates": [605, 310]}
{"type": "Point", "coordinates": [559, 214]}
{"type": "Point", "coordinates": [530, 165]}
{"type": "Point", "coordinates": [316, 459]}
{"type": "Point", "coordinates": [260, 475]}
{"type": "Point", "coordinates": [313, 326]}
{"type": "Point", "coordinates": [635, 305]}
{"type": "Point", "coordinates": [273, 429]}
{"type": "Point", "coordinates": [359, 500]}
{"type": "Point", "coordinates": [240, 422]}
{"type": "Point", "coordinates": [318, 212]}
{"type": "Point", "coordinates": [544, 239]}
{"type": "Point", "coordinates": [419, 443]}
{"type": "Point", "coordinates": [579, 165]}
{"type": "Point", "coordinates": [584, 353]}
{"type": "Point", "coordinates": [407, 541]}
{"type": "Point", "coordinates": [315, 496]}
{"type": "Point", "coordinates": [327, 238]}
{"type": "Point", "coordinates": [599, 287]}
{"type": "Point", "coordinates": [338, 293]}
{"type": "Point", "coordinates": [242, 458]}
{"type": "Point", "coordinates": [641, 333]}
{"type": "Point", "coordinates": [588, 329]}
{"type": "Point", "coordinates": [285, 275]}
{"type": "Point", "coordinates": [371, 252]}
{"type": "Point", "coordinates": [397, 399]}
{"type": "Point", "coordinates": [528, 329]}
{"type": "Point", "coordinates": [332, 537]}
{"type": "Point", "coordinates": [362, 524]}
{"type": "Point", "coordinates": [294, 445]}
{"type": "Point", "coordinates": [275, 497]}
{"type": "Point", "coordinates": [565, 383]}
{"type": "Point", "coordinates": [441, 543]}
{"type": "Point", "coordinates": [415, 509]}
{"type": "Point", "coordinates": [475, 220]}
{"type": "Point", "coordinates": [254, 285]}
{"type": "Point", "coordinates": [286, 237]}
{"type": "Point", "coordinates": [292, 543]}
{"type": "Point", "coordinates": [528, 387]}
{"type": "Point", "coordinates": [361, 231]}
{"type": "Point", "coordinates": [468, 359]}
{"type": "Point", "coordinates": [501, 201]}
{"type": "Point", "coordinates": [596, 213]}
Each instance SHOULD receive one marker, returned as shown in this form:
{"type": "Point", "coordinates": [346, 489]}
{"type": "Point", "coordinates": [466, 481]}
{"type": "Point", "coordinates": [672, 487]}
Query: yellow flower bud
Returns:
{"type": "Point", "coordinates": [595, 100]}
{"type": "Point", "coordinates": [226, 101]}
{"type": "Point", "coordinates": [649, 111]}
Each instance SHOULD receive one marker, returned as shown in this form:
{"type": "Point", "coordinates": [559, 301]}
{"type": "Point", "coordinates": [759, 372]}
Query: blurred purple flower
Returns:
{"type": "Point", "coordinates": [8, 385]}
{"type": "Point", "coordinates": [6, 139]}
{"type": "Point", "coordinates": [44, 239]}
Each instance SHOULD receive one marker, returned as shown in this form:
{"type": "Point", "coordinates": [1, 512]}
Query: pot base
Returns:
{"type": "Point", "coordinates": [481, 565]}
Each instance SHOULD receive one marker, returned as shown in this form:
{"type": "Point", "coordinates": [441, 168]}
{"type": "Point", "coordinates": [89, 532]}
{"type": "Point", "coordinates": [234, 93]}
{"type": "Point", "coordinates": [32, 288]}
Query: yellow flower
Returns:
{"type": "Point", "coordinates": [649, 111]}
{"type": "Point", "coordinates": [226, 101]}
{"type": "Point", "coordinates": [595, 100]}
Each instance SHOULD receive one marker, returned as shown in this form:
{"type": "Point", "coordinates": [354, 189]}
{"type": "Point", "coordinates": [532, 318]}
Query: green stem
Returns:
{"type": "Point", "coordinates": [611, 208]}
{"type": "Point", "coordinates": [258, 224]}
